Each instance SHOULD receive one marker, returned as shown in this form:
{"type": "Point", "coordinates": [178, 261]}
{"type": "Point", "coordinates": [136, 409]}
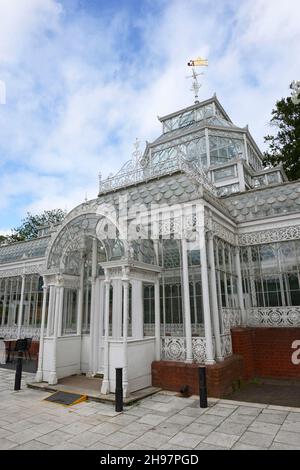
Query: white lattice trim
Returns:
{"type": "Point", "coordinates": [230, 317]}
{"type": "Point", "coordinates": [173, 348]}
{"type": "Point", "coordinates": [270, 236]}
{"type": "Point", "coordinates": [274, 316]}
{"type": "Point", "coordinates": [226, 345]}
{"type": "Point", "coordinates": [8, 332]}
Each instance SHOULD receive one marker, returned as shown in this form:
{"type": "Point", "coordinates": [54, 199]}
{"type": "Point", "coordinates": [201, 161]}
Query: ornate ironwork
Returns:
{"type": "Point", "coordinates": [230, 317]}
{"type": "Point", "coordinates": [136, 171]}
{"type": "Point", "coordinates": [8, 332]}
{"type": "Point", "coordinates": [173, 348]}
{"type": "Point", "coordinates": [199, 349]}
{"type": "Point", "coordinates": [274, 316]}
{"type": "Point", "coordinates": [226, 345]}
{"type": "Point", "coordinates": [268, 236]}
{"type": "Point", "coordinates": [23, 270]}
{"type": "Point", "coordinates": [173, 329]}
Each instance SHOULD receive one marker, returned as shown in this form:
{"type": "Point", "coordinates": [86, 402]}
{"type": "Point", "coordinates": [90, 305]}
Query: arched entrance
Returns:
{"type": "Point", "coordinates": [95, 284]}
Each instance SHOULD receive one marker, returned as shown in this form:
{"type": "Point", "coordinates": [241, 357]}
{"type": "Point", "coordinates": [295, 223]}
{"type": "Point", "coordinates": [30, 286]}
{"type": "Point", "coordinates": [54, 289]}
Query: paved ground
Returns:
{"type": "Point", "coordinates": [28, 366]}
{"type": "Point", "coordinates": [275, 392]}
{"type": "Point", "coordinates": [163, 421]}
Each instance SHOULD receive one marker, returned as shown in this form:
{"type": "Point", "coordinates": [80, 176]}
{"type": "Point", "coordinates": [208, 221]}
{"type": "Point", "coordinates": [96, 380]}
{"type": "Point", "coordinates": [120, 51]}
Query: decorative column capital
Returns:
{"type": "Point", "coordinates": [236, 250]}
{"type": "Point", "coordinates": [125, 273]}
{"type": "Point", "coordinates": [210, 235]}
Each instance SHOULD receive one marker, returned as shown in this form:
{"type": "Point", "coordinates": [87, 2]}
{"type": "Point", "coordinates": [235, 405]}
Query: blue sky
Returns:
{"type": "Point", "coordinates": [85, 78]}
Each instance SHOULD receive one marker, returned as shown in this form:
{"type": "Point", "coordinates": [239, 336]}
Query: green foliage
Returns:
{"type": "Point", "coordinates": [32, 223]}
{"type": "Point", "coordinates": [3, 239]}
{"type": "Point", "coordinates": [284, 148]}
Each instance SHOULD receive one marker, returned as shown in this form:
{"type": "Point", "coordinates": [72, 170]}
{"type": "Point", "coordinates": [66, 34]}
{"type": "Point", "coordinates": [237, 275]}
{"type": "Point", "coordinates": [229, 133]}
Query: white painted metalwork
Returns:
{"type": "Point", "coordinates": [199, 349]}
{"type": "Point", "coordinates": [274, 316]}
{"type": "Point", "coordinates": [272, 235]}
{"type": "Point", "coordinates": [230, 317]}
{"type": "Point", "coordinates": [226, 345]}
{"type": "Point", "coordinates": [8, 332]}
{"type": "Point", "coordinates": [173, 348]}
{"type": "Point", "coordinates": [136, 171]}
{"type": "Point", "coordinates": [173, 329]}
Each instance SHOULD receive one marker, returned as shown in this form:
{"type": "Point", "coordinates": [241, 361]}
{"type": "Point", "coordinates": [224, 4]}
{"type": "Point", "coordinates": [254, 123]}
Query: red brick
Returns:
{"type": "Point", "coordinates": [222, 377]}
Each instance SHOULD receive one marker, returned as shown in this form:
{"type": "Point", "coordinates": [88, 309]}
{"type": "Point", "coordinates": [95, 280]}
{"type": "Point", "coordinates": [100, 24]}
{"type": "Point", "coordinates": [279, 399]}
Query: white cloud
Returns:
{"type": "Point", "coordinates": [77, 97]}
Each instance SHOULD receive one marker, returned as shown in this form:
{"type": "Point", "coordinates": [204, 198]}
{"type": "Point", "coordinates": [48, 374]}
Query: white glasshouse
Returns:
{"type": "Point", "coordinates": [188, 239]}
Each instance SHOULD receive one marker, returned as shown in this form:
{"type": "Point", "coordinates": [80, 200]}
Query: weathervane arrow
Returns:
{"type": "Point", "coordinates": [199, 62]}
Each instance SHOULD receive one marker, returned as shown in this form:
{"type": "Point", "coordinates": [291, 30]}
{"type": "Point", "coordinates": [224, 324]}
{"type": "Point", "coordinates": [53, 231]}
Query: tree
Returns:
{"type": "Point", "coordinates": [32, 223]}
{"type": "Point", "coordinates": [284, 148]}
{"type": "Point", "coordinates": [3, 239]}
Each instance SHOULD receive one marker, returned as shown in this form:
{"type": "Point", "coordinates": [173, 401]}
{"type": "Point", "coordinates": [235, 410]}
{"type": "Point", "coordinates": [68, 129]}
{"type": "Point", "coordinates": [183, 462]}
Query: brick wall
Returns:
{"type": "Point", "coordinates": [266, 352]}
{"type": "Point", "coordinates": [34, 349]}
{"type": "Point", "coordinates": [222, 378]}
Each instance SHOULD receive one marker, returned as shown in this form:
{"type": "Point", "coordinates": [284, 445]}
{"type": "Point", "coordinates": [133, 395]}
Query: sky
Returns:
{"type": "Point", "coordinates": [84, 78]}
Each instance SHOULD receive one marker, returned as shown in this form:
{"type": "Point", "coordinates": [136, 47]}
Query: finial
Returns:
{"type": "Point", "coordinates": [136, 155]}
{"type": "Point", "coordinates": [199, 62]}
{"type": "Point", "coordinates": [86, 198]}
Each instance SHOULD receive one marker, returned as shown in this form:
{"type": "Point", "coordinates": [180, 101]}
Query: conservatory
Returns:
{"type": "Point", "coordinates": [190, 239]}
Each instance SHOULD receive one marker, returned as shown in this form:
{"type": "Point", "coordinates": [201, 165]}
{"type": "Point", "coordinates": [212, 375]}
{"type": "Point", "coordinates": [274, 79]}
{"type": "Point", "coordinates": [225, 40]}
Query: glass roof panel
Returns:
{"type": "Point", "coordinates": [23, 250]}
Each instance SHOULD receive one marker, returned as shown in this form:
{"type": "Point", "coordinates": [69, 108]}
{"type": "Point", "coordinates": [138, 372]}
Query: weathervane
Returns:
{"type": "Point", "coordinates": [199, 62]}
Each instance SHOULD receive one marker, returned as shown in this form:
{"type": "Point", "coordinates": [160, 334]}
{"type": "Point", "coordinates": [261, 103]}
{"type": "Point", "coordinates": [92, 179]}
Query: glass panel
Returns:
{"type": "Point", "coordinates": [69, 317]}
{"type": "Point", "coordinates": [273, 273]}
{"type": "Point", "coordinates": [223, 149]}
{"type": "Point", "coordinates": [149, 313]}
{"type": "Point", "coordinates": [227, 172]}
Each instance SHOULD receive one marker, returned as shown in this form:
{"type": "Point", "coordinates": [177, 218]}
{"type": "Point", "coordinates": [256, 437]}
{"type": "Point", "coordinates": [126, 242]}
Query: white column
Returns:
{"type": "Point", "coordinates": [100, 309]}
{"type": "Point", "coordinates": [156, 250]}
{"type": "Point", "coordinates": [4, 303]}
{"type": "Point", "coordinates": [240, 284]}
{"type": "Point", "coordinates": [186, 302]}
{"type": "Point", "coordinates": [92, 314]}
{"type": "Point", "coordinates": [105, 382]}
{"type": "Point", "coordinates": [117, 309]}
{"type": "Point", "coordinates": [20, 313]}
{"type": "Point", "coordinates": [58, 296]}
{"type": "Point", "coordinates": [60, 311]}
{"type": "Point", "coordinates": [80, 300]}
{"type": "Point", "coordinates": [96, 327]}
{"type": "Point", "coordinates": [207, 147]}
{"type": "Point", "coordinates": [137, 320]}
{"type": "Point", "coordinates": [157, 319]}
{"type": "Point", "coordinates": [214, 297]}
{"type": "Point", "coordinates": [125, 333]}
{"type": "Point", "coordinates": [240, 172]}
{"type": "Point", "coordinates": [51, 310]}
{"type": "Point", "coordinates": [246, 149]}
{"type": "Point", "coordinates": [205, 299]}
{"type": "Point", "coordinates": [39, 374]}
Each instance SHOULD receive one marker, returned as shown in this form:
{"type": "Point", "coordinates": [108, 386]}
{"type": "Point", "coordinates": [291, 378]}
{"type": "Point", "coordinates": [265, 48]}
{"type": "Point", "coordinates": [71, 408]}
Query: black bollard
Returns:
{"type": "Point", "coordinates": [202, 387]}
{"type": "Point", "coordinates": [18, 376]}
{"type": "Point", "coordinates": [119, 390]}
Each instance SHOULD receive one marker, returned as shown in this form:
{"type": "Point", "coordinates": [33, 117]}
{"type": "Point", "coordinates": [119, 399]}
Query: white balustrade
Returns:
{"type": "Point", "coordinates": [274, 316]}
{"type": "Point", "coordinates": [230, 318]}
